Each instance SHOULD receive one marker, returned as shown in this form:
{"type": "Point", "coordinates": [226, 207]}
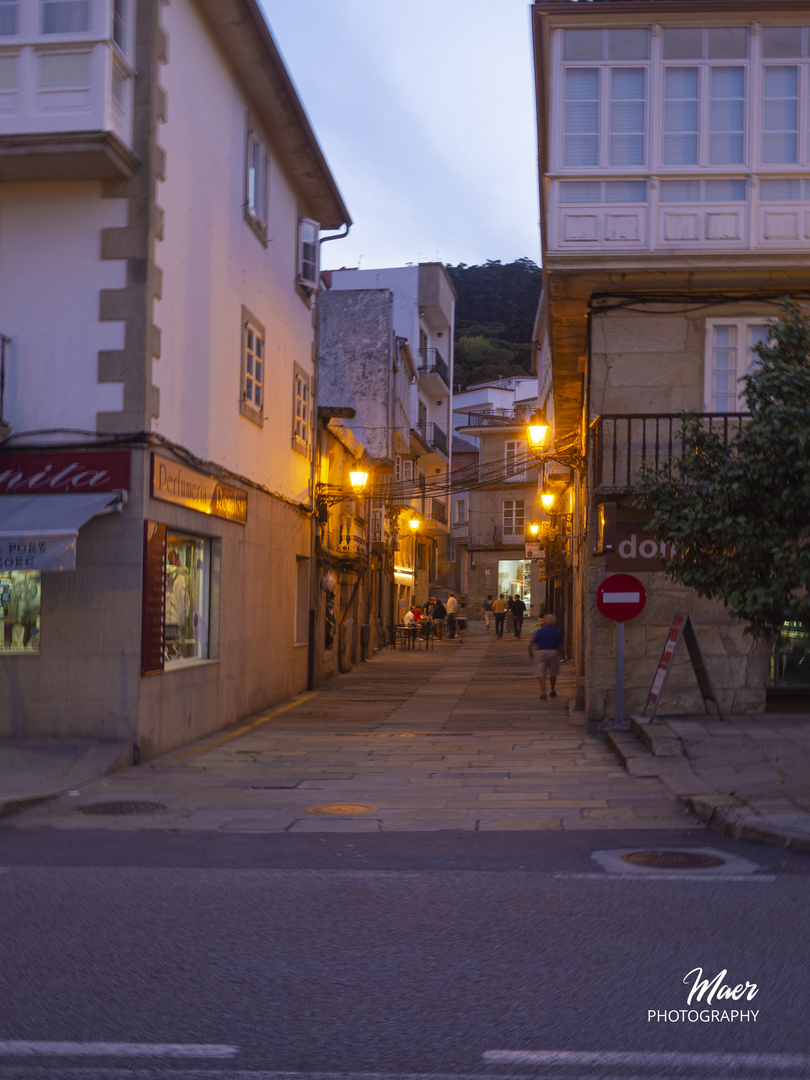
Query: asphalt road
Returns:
{"type": "Point", "coordinates": [456, 954]}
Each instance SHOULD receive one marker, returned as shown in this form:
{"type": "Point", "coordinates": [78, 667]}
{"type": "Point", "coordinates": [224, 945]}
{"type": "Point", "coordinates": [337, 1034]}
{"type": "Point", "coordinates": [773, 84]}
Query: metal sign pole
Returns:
{"type": "Point", "coordinates": [619, 674]}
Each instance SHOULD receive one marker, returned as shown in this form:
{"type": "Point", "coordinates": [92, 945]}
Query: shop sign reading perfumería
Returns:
{"type": "Point", "coordinates": [176, 483]}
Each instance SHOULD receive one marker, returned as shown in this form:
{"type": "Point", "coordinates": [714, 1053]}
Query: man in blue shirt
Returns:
{"type": "Point", "coordinates": [546, 647]}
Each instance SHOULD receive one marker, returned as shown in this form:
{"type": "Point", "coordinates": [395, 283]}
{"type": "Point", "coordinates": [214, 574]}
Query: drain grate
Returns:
{"type": "Point", "coordinates": [672, 860]}
{"type": "Point", "coordinates": [340, 809]}
{"type": "Point", "coordinates": [124, 807]}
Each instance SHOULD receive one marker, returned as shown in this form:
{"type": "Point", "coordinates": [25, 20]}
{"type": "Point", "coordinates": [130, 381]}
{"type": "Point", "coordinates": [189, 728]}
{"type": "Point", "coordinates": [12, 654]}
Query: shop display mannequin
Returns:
{"type": "Point", "coordinates": [178, 602]}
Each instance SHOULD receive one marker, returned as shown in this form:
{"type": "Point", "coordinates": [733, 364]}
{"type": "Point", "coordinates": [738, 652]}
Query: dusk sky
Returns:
{"type": "Point", "coordinates": [425, 112]}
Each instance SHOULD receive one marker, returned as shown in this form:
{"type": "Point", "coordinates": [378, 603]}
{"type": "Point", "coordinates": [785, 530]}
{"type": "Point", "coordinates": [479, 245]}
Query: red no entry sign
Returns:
{"type": "Point", "coordinates": [621, 597]}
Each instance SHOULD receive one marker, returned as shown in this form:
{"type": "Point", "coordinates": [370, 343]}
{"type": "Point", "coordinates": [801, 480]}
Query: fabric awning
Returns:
{"type": "Point", "coordinates": [38, 532]}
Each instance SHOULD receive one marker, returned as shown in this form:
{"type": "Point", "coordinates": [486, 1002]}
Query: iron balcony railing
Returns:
{"type": "Point", "coordinates": [434, 436]}
{"type": "Point", "coordinates": [496, 417]}
{"type": "Point", "coordinates": [623, 442]}
{"type": "Point", "coordinates": [430, 361]}
{"type": "Point", "coordinates": [438, 511]}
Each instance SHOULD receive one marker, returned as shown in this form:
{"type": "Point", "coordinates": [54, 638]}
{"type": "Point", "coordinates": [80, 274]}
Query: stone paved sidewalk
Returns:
{"type": "Point", "coordinates": [453, 738]}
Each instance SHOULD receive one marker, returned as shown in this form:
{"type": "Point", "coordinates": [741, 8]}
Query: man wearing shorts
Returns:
{"type": "Point", "coordinates": [546, 648]}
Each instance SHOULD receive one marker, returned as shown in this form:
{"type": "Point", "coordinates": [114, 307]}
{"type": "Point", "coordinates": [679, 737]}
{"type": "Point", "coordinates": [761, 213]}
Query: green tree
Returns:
{"type": "Point", "coordinates": [738, 516]}
{"type": "Point", "coordinates": [497, 302]}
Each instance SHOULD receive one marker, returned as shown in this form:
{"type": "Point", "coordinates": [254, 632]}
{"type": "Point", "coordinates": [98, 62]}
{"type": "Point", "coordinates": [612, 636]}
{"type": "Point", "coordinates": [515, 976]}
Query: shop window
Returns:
{"type": "Point", "coordinates": [188, 599]}
{"type": "Point", "coordinates": [20, 603]}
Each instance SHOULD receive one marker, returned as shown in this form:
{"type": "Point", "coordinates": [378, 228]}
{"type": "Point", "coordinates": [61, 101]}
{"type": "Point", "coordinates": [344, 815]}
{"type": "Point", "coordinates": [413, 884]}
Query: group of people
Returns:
{"type": "Point", "coordinates": [545, 646]}
{"type": "Point", "coordinates": [499, 609]}
{"type": "Point", "coordinates": [436, 617]}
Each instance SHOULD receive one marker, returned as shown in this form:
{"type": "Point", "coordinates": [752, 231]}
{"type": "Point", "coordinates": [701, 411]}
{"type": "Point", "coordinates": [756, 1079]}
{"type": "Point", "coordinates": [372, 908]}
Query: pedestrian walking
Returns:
{"type": "Point", "coordinates": [518, 611]}
{"type": "Point", "coordinates": [452, 610]}
{"type": "Point", "coordinates": [545, 648]}
{"type": "Point", "coordinates": [486, 607]}
{"type": "Point", "coordinates": [439, 615]}
{"type": "Point", "coordinates": [499, 611]}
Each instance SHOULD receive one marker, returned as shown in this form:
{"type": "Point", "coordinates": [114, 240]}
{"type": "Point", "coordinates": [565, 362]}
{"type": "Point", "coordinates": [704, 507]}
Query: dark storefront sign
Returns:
{"type": "Point", "coordinates": [625, 542]}
{"type": "Point", "coordinates": [176, 483]}
{"type": "Point", "coordinates": [63, 472]}
{"type": "Point", "coordinates": [154, 593]}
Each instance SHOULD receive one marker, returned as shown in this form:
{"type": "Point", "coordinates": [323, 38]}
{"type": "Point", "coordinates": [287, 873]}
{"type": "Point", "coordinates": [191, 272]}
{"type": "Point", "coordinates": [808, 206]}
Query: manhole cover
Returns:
{"type": "Point", "coordinates": [128, 807]}
{"type": "Point", "coordinates": [672, 860]}
{"type": "Point", "coordinates": [340, 809]}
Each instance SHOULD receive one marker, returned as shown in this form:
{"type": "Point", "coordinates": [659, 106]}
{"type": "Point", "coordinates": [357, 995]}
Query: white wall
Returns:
{"type": "Point", "coordinates": [50, 277]}
{"type": "Point", "coordinates": [213, 263]}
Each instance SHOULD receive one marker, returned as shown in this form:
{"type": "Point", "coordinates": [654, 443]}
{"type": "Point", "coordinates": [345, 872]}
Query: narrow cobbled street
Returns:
{"type": "Point", "coordinates": [453, 738]}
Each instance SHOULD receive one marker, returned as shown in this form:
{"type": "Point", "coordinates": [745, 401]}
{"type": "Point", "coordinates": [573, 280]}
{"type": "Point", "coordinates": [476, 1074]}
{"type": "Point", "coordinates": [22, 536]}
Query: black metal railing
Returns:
{"type": "Point", "coordinates": [5, 349]}
{"type": "Point", "coordinates": [430, 361]}
{"type": "Point", "coordinates": [497, 417]}
{"type": "Point", "coordinates": [434, 436]}
{"type": "Point", "coordinates": [438, 511]}
{"type": "Point", "coordinates": [623, 442]}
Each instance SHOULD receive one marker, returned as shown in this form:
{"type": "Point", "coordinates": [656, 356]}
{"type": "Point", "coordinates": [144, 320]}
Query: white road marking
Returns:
{"type": "Point", "coordinates": [21, 1048]}
{"type": "Point", "coordinates": [647, 1059]}
{"type": "Point", "coordinates": [668, 875]}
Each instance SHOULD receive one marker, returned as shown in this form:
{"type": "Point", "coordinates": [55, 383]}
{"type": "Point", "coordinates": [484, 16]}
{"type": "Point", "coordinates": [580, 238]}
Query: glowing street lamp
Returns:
{"type": "Point", "coordinates": [547, 497]}
{"type": "Point", "coordinates": [537, 430]}
{"type": "Point", "coordinates": [414, 524]}
{"type": "Point", "coordinates": [534, 529]}
{"type": "Point", "coordinates": [358, 478]}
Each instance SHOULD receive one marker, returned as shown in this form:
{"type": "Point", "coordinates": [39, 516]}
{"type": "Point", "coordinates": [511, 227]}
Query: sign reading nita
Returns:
{"type": "Point", "coordinates": [176, 483]}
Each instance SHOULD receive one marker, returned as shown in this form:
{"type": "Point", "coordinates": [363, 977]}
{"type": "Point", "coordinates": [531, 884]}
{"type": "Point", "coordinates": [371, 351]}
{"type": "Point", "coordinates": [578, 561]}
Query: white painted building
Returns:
{"type": "Point", "coordinates": [161, 198]}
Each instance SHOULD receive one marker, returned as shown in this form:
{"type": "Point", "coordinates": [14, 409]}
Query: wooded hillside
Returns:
{"type": "Point", "coordinates": [497, 303]}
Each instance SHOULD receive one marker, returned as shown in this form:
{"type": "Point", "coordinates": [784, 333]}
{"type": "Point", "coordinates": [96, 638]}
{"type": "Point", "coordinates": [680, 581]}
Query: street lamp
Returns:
{"type": "Point", "coordinates": [358, 478]}
{"type": "Point", "coordinates": [534, 529]}
{"type": "Point", "coordinates": [547, 497]}
{"type": "Point", "coordinates": [537, 430]}
{"type": "Point", "coordinates": [414, 524]}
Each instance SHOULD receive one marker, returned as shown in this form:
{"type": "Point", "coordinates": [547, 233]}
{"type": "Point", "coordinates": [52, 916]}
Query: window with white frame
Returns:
{"type": "Point", "coordinates": [407, 469]}
{"type": "Point", "coordinates": [729, 356]}
{"type": "Point", "coordinates": [302, 412]}
{"type": "Point", "coordinates": [65, 16]}
{"type": "Point", "coordinates": [720, 96]}
{"type": "Point", "coordinates": [514, 511]}
{"type": "Point", "coordinates": [9, 18]}
{"type": "Point", "coordinates": [119, 27]}
{"type": "Point", "coordinates": [605, 102]}
{"type": "Point", "coordinates": [308, 253]}
{"type": "Point", "coordinates": [704, 102]}
{"type": "Point", "coordinates": [253, 341]}
{"type": "Point", "coordinates": [515, 453]}
{"type": "Point", "coordinates": [256, 184]}
{"type": "Point", "coordinates": [461, 511]}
